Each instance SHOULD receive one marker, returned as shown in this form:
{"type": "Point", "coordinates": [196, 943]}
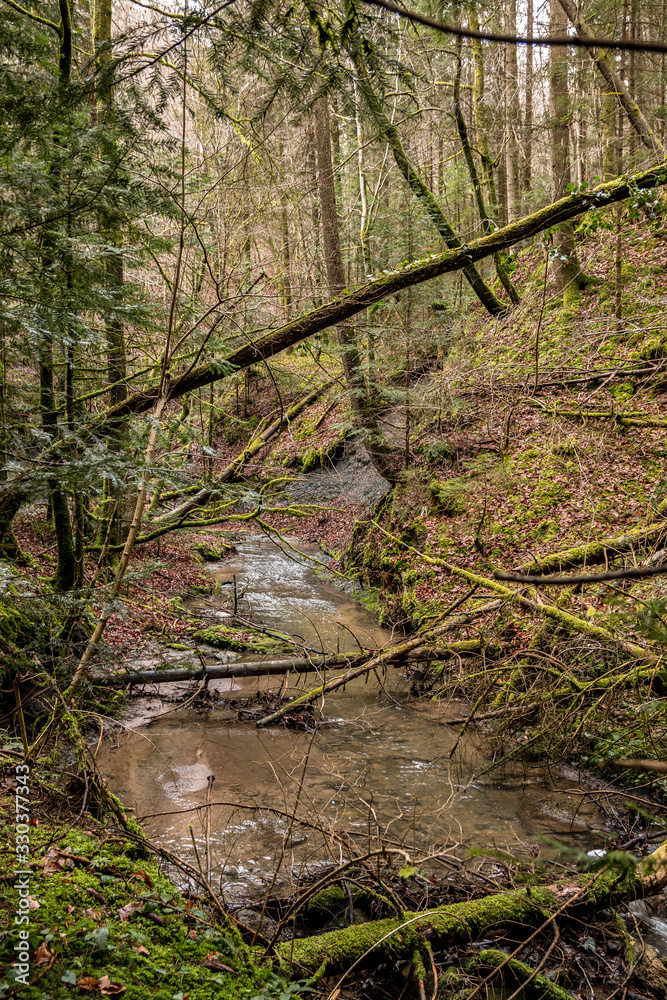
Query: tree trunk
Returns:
{"type": "Point", "coordinates": [499, 261]}
{"type": "Point", "coordinates": [111, 507]}
{"type": "Point", "coordinates": [389, 134]}
{"type": "Point", "coordinates": [10, 505]}
{"type": "Point", "coordinates": [528, 112]}
{"type": "Point", "coordinates": [566, 269]}
{"type": "Point", "coordinates": [272, 342]}
{"type": "Point", "coordinates": [513, 108]}
{"type": "Point", "coordinates": [363, 406]}
{"type": "Point", "coordinates": [412, 934]}
{"type": "Point", "coordinates": [612, 79]}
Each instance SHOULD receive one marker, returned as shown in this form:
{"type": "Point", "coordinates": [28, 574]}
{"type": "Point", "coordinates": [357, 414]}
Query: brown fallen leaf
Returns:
{"type": "Point", "coordinates": [192, 934]}
{"type": "Point", "coordinates": [92, 914]}
{"type": "Point", "coordinates": [109, 989]}
{"type": "Point", "coordinates": [42, 955]}
{"type": "Point", "coordinates": [56, 860]}
{"type": "Point", "coordinates": [88, 984]}
{"type": "Point", "coordinates": [125, 911]}
{"type": "Point", "coordinates": [140, 950]}
{"type": "Point", "coordinates": [145, 877]}
{"type": "Point", "coordinates": [52, 865]}
{"type": "Point", "coordinates": [213, 962]}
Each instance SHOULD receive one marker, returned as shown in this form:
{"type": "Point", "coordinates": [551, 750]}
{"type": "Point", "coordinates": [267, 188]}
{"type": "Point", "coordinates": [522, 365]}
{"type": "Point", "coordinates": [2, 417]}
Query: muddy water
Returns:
{"type": "Point", "coordinates": [379, 766]}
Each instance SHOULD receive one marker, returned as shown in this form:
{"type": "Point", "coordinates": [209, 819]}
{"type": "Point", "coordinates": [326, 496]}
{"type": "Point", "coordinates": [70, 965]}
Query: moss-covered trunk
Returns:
{"type": "Point", "coordinates": [461, 923]}
{"type": "Point", "coordinates": [274, 341]}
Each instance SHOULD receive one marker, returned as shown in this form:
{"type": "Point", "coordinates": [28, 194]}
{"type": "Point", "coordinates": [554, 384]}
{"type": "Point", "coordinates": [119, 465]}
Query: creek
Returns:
{"type": "Point", "coordinates": [377, 768]}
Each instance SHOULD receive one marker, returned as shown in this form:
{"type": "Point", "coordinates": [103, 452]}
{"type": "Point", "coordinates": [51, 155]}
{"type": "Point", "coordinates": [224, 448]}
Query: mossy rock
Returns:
{"type": "Point", "coordinates": [223, 638]}
{"type": "Point", "coordinates": [213, 553]}
{"type": "Point", "coordinates": [448, 497]}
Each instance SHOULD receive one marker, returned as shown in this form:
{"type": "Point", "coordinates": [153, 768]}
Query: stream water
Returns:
{"type": "Point", "coordinates": [379, 766]}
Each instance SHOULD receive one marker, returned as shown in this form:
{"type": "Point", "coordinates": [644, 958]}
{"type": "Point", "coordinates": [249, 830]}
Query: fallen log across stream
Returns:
{"type": "Point", "coordinates": [415, 936]}
{"type": "Point", "coordinates": [301, 665]}
{"type": "Point", "coordinates": [356, 669]}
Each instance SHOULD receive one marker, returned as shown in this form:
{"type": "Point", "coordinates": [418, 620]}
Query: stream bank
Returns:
{"type": "Point", "coordinates": [375, 773]}
{"type": "Point", "coordinates": [377, 755]}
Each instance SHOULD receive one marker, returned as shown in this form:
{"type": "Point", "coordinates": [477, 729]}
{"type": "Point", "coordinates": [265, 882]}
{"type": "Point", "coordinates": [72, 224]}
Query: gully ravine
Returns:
{"type": "Point", "coordinates": [377, 769]}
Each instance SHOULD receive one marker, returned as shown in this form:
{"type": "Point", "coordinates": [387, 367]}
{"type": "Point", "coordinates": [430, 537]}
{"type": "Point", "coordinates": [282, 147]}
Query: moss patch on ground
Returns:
{"type": "Point", "coordinates": [105, 921]}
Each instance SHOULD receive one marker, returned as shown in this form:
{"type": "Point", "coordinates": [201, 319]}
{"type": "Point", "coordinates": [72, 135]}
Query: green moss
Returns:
{"type": "Point", "coordinates": [449, 496]}
{"type": "Point", "coordinates": [530, 453]}
{"type": "Point", "coordinates": [317, 458]}
{"type": "Point", "coordinates": [623, 392]}
{"type": "Point", "coordinates": [313, 459]}
{"type": "Point", "coordinates": [16, 626]}
{"type": "Point", "coordinates": [156, 947]}
{"type": "Point", "coordinates": [221, 637]}
{"type": "Point", "coordinates": [546, 530]}
{"type": "Point", "coordinates": [565, 448]}
{"type": "Point", "coordinates": [514, 974]}
{"type": "Point", "coordinates": [437, 451]}
{"type": "Point", "coordinates": [213, 553]}
{"type": "Point", "coordinates": [333, 902]}
{"type": "Point", "coordinates": [443, 539]}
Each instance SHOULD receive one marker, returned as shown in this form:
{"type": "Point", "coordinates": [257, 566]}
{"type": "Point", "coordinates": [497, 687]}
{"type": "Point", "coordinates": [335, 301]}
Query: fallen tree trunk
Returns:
{"type": "Point", "coordinates": [393, 939]}
{"type": "Point", "coordinates": [341, 309]}
{"type": "Point", "coordinates": [237, 463]}
{"type": "Point", "coordinates": [261, 668]}
{"type": "Point", "coordinates": [363, 668]}
{"type": "Point", "coordinates": [388, 133]}
{"type": "Point", "coordinates": [622, 419]}
{"type": "Point", "coordinates": [594, 553]}
{"type": "Point", "coordinates": [568, 621]}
